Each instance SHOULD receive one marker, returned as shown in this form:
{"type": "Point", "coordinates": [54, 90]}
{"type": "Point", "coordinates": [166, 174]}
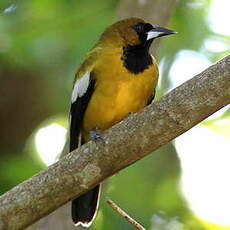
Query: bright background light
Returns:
{"type": "Point", "coordinates": [49, 142]}
{"type": "Point", "coordinates": [204, 151]}
{"type": "Point", "coordinates": [205, 158]}
{"type": "Point", "coordinates": [216, 45]}
{"type": "Point", "coordinates": [219, 16]}
{"type": "Point", "coordinates": [188, 63]}
{"type": "Point", "coordinates": [160, 221]}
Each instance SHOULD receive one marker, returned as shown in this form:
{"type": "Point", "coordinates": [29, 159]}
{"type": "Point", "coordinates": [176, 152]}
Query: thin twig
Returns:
{"type": "Point", "coordinates": [116, 208]}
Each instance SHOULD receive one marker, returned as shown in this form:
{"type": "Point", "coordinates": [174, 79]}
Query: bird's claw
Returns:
{"type": "Point", "coordinates": [94, 135]}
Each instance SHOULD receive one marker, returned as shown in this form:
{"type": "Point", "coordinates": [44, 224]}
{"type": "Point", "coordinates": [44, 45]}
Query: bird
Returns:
{"type": "Point", "coordinates": [117, 77]}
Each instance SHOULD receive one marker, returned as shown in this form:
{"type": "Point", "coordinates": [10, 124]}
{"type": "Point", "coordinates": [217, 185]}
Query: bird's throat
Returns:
{"type": "Point", "coordinates": [136, 58]}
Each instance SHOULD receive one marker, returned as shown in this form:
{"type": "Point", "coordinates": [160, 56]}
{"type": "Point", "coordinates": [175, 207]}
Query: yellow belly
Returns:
{"type": "Point", "coordinates": [115, 97]}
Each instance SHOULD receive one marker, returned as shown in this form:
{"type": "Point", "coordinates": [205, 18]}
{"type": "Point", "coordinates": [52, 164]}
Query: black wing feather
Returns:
{"type": "Point", "coordinates": [83, 207]}
{"type": "Point", "coordinates": [77, 111]}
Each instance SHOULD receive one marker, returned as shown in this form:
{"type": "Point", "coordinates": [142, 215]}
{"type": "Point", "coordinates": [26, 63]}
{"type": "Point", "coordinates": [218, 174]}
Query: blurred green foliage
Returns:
{"type": "Point", "coordinates": [41, 44]}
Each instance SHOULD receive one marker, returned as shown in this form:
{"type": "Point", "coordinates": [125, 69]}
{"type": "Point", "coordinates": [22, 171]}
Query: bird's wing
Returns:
{"type": "Point", "coordinates": [81, 94]}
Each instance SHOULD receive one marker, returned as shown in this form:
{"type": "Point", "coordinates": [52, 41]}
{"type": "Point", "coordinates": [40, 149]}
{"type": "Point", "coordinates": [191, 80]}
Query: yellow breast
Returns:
{"type": "Point", "coordinates": [117, 93]}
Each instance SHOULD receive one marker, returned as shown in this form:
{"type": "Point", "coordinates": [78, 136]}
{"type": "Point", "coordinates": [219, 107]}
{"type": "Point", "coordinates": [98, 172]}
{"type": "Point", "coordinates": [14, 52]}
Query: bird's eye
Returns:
{"type": "Point", "coordinates": [143, 27]}
{"type": "Point", "coordinates": [148, 27]}
{"type": "Point", "coordinates": [139, 27]}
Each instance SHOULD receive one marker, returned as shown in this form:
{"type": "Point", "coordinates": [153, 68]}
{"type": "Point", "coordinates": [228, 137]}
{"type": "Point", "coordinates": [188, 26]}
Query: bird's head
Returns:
{"type": "Point", "coordinates": [133, 32]}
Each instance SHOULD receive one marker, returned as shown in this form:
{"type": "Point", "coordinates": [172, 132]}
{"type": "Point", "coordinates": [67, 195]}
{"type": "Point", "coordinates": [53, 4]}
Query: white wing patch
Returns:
{"type": "Point", "coordinates": [80, 87]}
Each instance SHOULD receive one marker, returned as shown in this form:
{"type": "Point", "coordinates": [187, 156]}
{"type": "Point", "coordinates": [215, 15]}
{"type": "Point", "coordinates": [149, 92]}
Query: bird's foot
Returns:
{"type": "Point", "coordinates": [130, 113]}
{"type": "Point", "coordinates": [95, 134]}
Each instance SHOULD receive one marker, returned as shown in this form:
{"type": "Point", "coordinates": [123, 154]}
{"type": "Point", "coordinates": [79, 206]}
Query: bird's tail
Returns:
{"type": "Point", "coordinates": [84, 208]}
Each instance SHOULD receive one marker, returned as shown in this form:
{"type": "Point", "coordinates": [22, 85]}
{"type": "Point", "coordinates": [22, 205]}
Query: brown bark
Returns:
{"type": "Point", "coordinates": [123, 144]}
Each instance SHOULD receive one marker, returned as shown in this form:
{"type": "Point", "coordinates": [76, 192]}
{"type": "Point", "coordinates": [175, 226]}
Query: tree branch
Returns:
{"type": "Point", "coordinates": [125, 143]}
{"type": "Point", "coordinates": [117, 209]}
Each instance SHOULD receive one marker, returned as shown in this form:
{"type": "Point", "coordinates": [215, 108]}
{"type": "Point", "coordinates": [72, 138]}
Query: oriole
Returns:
{"type": "Point", "coordinates": [118, 77]}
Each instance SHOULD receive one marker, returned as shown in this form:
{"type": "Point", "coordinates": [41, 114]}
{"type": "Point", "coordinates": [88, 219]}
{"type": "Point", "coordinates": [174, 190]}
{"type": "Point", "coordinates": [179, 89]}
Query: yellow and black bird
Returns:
{"type": "Point", "coordinates": [118, 77]}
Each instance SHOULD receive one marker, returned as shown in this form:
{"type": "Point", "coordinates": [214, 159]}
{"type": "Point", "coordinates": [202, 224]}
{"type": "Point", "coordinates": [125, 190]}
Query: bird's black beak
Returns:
{"type": "Point", "coordinates": [159, 32]}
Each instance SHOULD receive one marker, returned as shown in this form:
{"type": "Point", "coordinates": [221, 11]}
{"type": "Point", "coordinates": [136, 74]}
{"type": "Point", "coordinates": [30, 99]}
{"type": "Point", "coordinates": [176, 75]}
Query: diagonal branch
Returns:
{"type": "Point", "coordinates": [125, 143]}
